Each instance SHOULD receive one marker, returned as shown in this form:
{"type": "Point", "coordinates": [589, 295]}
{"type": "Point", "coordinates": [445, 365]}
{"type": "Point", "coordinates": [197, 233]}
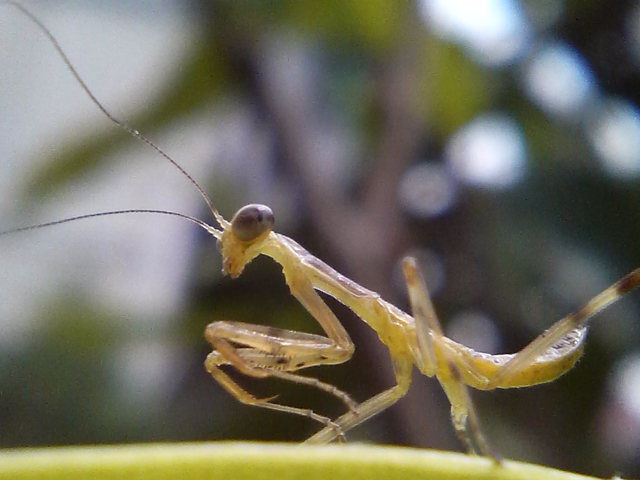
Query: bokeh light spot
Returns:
{"type": "Point", "coordinates": [427, 190]}
{"type": "Point", "coordinates": [559, 80]}
{"type": "Point", "coordinates": [488, 152]}
{"type": "Point", "coordinates": [615, 136]}
{"type": "Point", "coordinates": [494, 32]}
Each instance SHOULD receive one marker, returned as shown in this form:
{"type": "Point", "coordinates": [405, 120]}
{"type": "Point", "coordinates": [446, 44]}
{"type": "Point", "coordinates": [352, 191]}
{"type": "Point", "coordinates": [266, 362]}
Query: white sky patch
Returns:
{"type": "Point", "coordinates": [125, 58]}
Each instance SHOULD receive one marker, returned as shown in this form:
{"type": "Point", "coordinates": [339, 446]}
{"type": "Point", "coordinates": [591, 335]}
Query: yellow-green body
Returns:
{"type": "Point", "coordinates": [412, 340]}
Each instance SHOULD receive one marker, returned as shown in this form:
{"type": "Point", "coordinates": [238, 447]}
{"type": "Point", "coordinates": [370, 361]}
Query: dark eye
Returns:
{"type": "Point", "coordinates": [251, 221]}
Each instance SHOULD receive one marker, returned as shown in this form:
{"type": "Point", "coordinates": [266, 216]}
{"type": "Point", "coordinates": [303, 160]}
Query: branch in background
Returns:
{"type": "Point", "coordinates": [368, 236]}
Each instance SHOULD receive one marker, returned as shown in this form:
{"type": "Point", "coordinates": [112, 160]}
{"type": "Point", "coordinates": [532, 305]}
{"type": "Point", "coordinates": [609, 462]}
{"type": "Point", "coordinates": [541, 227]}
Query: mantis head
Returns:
{"type": "Point", "coordinates": [242, 238]}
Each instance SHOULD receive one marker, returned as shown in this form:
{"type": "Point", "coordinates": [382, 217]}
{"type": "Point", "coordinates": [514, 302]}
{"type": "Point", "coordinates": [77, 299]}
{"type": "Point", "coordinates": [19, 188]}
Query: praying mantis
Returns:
{"type": "Point", "coordinates": [415, 340]}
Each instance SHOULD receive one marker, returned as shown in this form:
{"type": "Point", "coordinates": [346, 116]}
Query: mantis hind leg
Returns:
{"type": "Point", "coordinates": [463, 413]}
{"type": "Point", "coordinates": [435, 359]}
{"type": "Point", "coordinates": [568, 330]}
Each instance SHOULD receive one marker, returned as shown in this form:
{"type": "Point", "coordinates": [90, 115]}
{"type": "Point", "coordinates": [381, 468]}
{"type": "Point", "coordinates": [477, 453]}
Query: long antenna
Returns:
{"type": "Point", "coordinates": [213, 231]}
{"type": "Point", "coordinates": [133, 132]}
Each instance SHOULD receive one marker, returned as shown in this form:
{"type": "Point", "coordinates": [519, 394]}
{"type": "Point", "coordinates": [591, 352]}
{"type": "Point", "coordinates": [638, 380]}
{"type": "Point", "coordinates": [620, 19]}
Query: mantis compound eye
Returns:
{"type": "Point", "coordinates": [251, 221]}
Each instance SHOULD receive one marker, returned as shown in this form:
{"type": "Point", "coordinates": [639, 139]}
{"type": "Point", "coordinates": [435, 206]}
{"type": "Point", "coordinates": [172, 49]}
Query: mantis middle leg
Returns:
{"type": "Point", "coordinates": [369, 408]}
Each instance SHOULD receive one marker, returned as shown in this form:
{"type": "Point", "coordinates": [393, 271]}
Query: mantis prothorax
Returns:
{"type": "Point", "coordinates": [413, 340]}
